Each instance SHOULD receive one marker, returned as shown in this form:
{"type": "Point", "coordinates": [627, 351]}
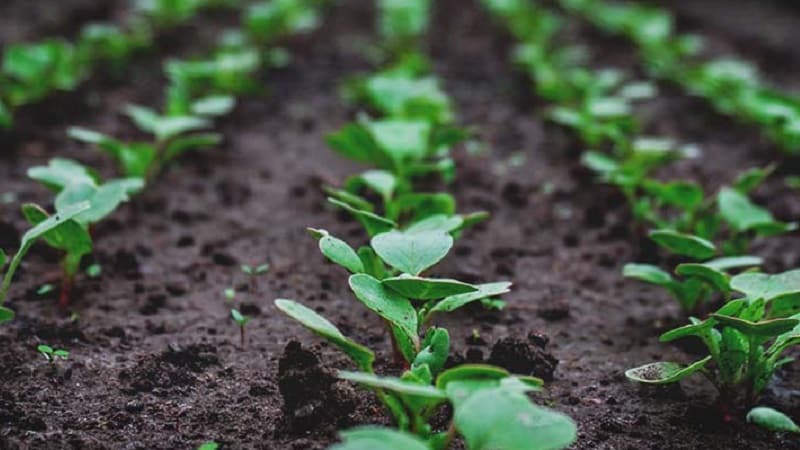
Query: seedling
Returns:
{"type": "Point", "coordinates": [241, 320]}
{"type": "Point", "coordinates": [210, 445]}
{"type": "Point", "coordinates": [402, 23]}
{"type": "Point", "coordinates": [746, 339]}
{"type": "Point", "coordinates": [490, 407]}
{"type": "Point", "coordinates": [108, 43]}
{"type": "Point", "coordinates": [94, 271]}
{"type": "Point", "coordinates": [253, 272]}
{"type": "Point", "coordinates": [44, 289]}
{"type": "Point", "coordinates": [51, 354]}
{"type": "Point", "coordinates": [267, 21]}
{"type": "Point", "coordinates": [172, 137]}
{"type": "Point", "coordinates": [230, 294]}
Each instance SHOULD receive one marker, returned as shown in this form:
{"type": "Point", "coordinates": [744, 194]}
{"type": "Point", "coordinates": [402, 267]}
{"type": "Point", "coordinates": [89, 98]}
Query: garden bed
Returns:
{"type": "Point", "coordinates": [155, 359]}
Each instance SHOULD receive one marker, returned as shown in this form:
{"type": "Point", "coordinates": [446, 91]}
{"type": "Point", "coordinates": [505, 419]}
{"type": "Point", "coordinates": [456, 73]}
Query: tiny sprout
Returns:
{"type": "Point", "coordinates": [230, 294]}
{"type": "Point", "coordinates": [44, 289]}
{"type": "Point", "coordinates": [240, 320]}
{"type": "Point", "coordinates": [253, 272]}
{"type": "Point", "coordinates": [210, 445]}
{"type": "Point", "coordinates": [51, 354]}
{"type": "Point", "coordinates": [94, 270]}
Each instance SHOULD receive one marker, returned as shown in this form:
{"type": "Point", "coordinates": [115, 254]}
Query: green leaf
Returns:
{"type": "Point", "coordinates": [380, 181]}
{"type": "Point", "coordinates": [647, 273]}
{"type": "Point", "coordinates": [501, 418]}
{"type": "Point", "coordinates": [402, 140]}
{"type": "Point", "coordinates": [682, 194]}
{"type": "Point", "coordinates": [434, 350]}
{"type": "Point", "coordinates": [396, 385]}
{"type": "Point", "coordinates": [213, 106]}
{"type": "Point", "coordinates": [438, 222]}
{"type": "Point", "coordinates": [376, 438]}
{"type": "Point", "coordinates": [684, 244]}
{"type": "Point", "coordinates": [764, 328]}
{"type": "Point", "coordinates": [766, 286]}
{"type": "Point", "coordinates": [373, 223]}
{"type": "Point", "coordinates": [61, 172]}
{"type": "Point", "coordinates": [68, 236]}
{"type": "Point", "coordinates": [182, 144]}
{"type": "Point", "coordinates": [484, 291]}
{"type": "Point", "coordinates": [750, 179]}
{"type": "Point", "coordinates": [164, 128]}
{"type": "Point", "coordinates": [743, 215]}
{"type": "Point", "coordinates": [693, 329]}
{"type": "Point", "coordinates": [419, 288]}
{"type": "Point", "coordinates": [470, 372]}
{"type": "Point", "coordinates": [135, 158]}
{"type": "Point", "coordinates": [412, 252]}
{"type": "Point", "coordinates": [320, 326]}
{"type": "Point", "coordinates": [338, 251]}
{"type": "Point", "coordinates": [6, 314]}
{"type": "Point", "coordinates": [664, 372]}
{"type": "Point", "coordinates": [386, 303]}
{"type": "Point", "coordinates": [355, 142]}
{"type": "Point", "coordinates": [103, 199]}
{"type": "Point", "coordinates": [772, 420]}
{"type": "Point", "coordinates": [239, 318]}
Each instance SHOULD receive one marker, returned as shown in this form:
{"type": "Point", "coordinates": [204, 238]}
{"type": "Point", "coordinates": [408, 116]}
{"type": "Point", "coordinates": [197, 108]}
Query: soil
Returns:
{"type": "Point", "coordinates": [156, 362]}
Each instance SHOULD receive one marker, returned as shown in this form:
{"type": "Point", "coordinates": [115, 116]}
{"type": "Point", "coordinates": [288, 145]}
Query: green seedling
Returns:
{"type": "Point", "coordinates": [44, 289]}
{"type": "Point", "coordinates": [490, 407]}
{"type": "Point", "coordinates": [406, 148]}
{"type": "Point", "coordinates": [94, 271]}
{"type": "Point", "coordinates": [108, 43]}
{"type": "Point", "coordinates": [264, 22]}
{"type": "Point", "coordinates": [253, 272]}
{"type": "Point", "coordinates": [168, 13]}
{"type": "Point", "coordinates": [51, 354]}
{"type": "Point", "coordinates": [388, 277]}
{"type": "Point", "coordinates": [172, 137]}
{"type": "Point", "coordinates": [230, 294]}
{"type": "Point", "coordinates": [210, 445]}
{"type": "Point", "coordinates": [241, 320]}
{"type": "Point", "coordinates": [746, 339]}
{"type": "Point", "coordinates": [402, 23]}
{"type": "Point", "coordinates": [71, 237]}
{"type": "Point", "coordinates": [32, 71]}
{"type": "Point", "coordinates": [53, 228]}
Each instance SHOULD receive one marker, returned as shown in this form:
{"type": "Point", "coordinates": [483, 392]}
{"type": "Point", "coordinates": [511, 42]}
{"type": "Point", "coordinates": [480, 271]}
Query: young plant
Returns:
{"type": "Point", "coordinates": [388, 278]}
{"type": "Point", "coordinates": [490, 406]}
{"type": "Point", "coordinates": [402, 23]}
{"type": "Point", "coordinates": [264, 22]}
{"type": "Point", "coordinates": [241, 320]}
{"type": "Point", "coordinates": [746, 339]}
{"type": "Point", "coordinates": [253, 272]}
{"type": "Point", "coordinates": [51, 354]}
{"type": "Point", "coordinates": [172, 137]}
{"type": "Point", "coordinates": [109, 44]}
{"type": "Point", "coordinates": [54, 228]}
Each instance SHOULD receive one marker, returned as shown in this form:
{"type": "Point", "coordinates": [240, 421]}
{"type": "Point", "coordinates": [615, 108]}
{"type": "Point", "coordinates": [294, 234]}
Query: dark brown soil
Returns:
{"type": "Point", "coordinates": [156, 361]}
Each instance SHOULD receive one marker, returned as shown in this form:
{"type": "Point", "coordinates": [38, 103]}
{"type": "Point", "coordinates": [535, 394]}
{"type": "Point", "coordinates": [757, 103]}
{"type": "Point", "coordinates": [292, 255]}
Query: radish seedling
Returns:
{"type": "Point", "coordinates": [54, 228]}
{"type": "Point", "coordinates": [266, 21]}
{"type": "Point", "coordinates": [51, 354]}
{"type": "Point", "coordinates": [746, 339]}
{"type": "Point", "coordinates": [401, 23]}
{"type": "Point", "coordinates": [415, 397]}
{"type": "Point", "coordinates": [241, 320]}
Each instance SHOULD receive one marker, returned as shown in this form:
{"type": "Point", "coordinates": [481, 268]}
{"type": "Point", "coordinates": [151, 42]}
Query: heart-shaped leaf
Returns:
{"type": "Point", "coordinates": [419, 288]}
{"type": "Point", "coordinates": [501, 418]}
{"type": "Point", "coordinates": [766, 286]}
{"type": "Point", "coordinates": [61, 172]}
{"type": "Point", "coordinates": [412, 252]}
{"type": "Point", "coordinates": [361, 355]}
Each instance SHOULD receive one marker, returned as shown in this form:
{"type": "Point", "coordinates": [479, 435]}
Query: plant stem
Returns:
{"type": "Point", "coordinates": [241, 336]}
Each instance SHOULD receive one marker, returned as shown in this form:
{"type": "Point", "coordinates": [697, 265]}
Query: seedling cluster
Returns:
{"type": "Point", "coordinates": [710, 234]}
{"type": "Point", "coordinates": [82, 198]}
{"type": "Point", "coordinates": [408, 134]}
{"type": "Point", "coordinates": [731, 85]}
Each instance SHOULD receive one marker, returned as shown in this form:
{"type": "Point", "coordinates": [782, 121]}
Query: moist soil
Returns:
{"type": "Point", "coordinates": [156, 362]}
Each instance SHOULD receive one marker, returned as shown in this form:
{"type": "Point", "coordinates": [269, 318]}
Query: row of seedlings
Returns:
{"type": "Point", "coordinates": [410, 232]}
{"type": "Point", "coordinates": [198, 91]}
{"type": "Point", "coordinates": [748, 335]}
{"type": "Point", "coordinates": [32, 71]}
{"type": "Point", "coordinates": [733, 86]}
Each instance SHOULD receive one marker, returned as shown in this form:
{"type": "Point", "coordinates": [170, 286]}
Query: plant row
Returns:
{"type": "Point", "coordinates": [198, 91]}
{"type": "Point", "coordinates": [710, 235]}
{"type": "Point", "coordinates": [33, 71]}
{"type": "Point", "coordinates": [731, 85]}
{"type": "Point", "coordinates": [405, 138]}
